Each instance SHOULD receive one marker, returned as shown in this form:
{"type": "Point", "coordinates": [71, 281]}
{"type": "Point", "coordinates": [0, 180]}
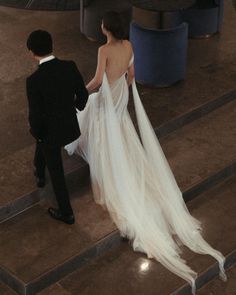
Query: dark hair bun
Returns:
{"type": "Point", "coordinates": [112, 22]}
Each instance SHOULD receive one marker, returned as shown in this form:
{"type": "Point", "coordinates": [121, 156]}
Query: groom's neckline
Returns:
{"type": "Point", "coordinates": [46, 62]}
{"type": "Point", "coordinates": [45, 59]}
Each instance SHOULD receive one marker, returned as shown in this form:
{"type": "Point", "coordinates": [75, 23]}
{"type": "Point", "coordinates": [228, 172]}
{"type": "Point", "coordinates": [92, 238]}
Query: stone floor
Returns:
{"type": "Point", "coordinates": [211, 73]}
{"type": "Point", "coordinates": [211, 69]}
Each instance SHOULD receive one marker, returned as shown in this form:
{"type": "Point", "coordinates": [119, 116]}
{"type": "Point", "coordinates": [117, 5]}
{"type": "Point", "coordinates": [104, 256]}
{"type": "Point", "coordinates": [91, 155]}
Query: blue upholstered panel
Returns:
{"type": "Point", "coordinates": [160, 55]}
{"type": "Point", "coordinates": [204, 21]}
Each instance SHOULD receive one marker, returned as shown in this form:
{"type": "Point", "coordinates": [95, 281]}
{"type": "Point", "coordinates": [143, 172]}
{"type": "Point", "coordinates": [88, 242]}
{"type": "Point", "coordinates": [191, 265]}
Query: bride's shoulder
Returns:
{"type": "Point", "coordinates": [128, 46]}
{"type": "Point", "coordinates": [103, 47]}
{"type": "Point", "coordinates": [127, 43]}
{"type": "Point", "coordinates": [103, 50]}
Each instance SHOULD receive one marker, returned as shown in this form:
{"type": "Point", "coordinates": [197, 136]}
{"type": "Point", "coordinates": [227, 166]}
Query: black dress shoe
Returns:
{"type": "Point", "coordinates": [39, 180]}
{"type": "Point", "coordinates": [56, 214]}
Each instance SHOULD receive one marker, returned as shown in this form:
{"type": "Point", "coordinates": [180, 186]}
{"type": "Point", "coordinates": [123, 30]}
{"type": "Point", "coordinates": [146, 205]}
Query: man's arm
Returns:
{"type": "Point", "coordinates": [80, 90]}
{"type": "Point", "coordinates": [35, 110]}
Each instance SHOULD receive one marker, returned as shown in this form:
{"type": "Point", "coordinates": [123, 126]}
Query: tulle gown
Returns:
{"type": "Point", "coordinates": [133, 180]}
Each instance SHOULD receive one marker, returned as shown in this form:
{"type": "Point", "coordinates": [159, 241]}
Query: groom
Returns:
{"type": "Point", "coordinates": [54, 92]}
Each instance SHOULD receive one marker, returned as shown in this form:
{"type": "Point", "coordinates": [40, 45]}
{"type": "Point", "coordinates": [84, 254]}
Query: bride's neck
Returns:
{"type": "Point", "coordinates": [111, 39]}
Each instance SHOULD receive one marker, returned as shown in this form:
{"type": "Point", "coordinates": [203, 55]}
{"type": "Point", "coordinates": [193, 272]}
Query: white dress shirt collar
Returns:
{"type": "Point", "coordinates": [45, 59]}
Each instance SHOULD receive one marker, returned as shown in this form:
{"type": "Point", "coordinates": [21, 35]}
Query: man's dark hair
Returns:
{"type": "Point", "coordinates": [40, 43]}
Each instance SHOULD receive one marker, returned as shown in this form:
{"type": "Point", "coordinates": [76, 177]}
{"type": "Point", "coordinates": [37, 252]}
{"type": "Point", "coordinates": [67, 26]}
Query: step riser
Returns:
{"type": "Point", "coordinates": [208, 275]}
{"type": "Point", "coordinates": [195, 114]}
{"type": "Point", "coordinates": [76, 262]}
{"type": "Point", "coordinates": [100, 248]}
{"type": "Point", "coordinates": [208, 183]}
{"type": "Point", "coordinates": [82, 173]}
{"type": "Point", "coordinates": [78, 177]}
{"type": "Point", "coordinates": [19, 205]}
{"type": "Point", "coordinates": [12, 281]}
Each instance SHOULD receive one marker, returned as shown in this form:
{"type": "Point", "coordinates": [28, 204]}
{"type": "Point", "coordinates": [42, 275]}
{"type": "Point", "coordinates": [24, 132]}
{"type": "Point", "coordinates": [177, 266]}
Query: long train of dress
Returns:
{"type": "Point", "coordinates": [133, 180]}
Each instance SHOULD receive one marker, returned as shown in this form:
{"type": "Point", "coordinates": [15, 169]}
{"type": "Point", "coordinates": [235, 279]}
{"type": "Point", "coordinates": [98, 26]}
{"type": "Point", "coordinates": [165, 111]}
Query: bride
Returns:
{"type": "Point", "coordinates": [130, 176]}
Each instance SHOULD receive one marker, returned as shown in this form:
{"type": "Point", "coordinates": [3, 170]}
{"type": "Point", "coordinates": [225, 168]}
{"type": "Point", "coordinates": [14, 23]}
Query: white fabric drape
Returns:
{"type": "Point", "coordinates": [133, 181]}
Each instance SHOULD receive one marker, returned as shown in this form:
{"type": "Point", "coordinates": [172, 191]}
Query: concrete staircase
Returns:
{"type": "Point", "coordinates": [122, 271]}
{"type": "Point", "coordinates": [89, 257]}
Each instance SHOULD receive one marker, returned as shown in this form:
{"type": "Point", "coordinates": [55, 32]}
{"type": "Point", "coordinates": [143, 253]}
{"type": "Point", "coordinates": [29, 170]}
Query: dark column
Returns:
{"type": "Point", "coordinates": [92, 11]}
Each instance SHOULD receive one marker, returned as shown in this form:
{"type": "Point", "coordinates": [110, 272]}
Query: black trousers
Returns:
{"type": "Point", "coordinates": [49, 156]}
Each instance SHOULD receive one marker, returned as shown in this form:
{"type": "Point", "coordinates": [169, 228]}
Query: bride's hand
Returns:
{"type": "Point", "coordinates": [91, 89]}
{"type": "Point", "coordinates": [87, 88]}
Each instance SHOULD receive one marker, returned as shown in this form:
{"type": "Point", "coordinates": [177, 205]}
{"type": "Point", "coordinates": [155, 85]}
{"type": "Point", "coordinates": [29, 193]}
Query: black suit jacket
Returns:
{"type": "Point", "coordinates": [54, 91]}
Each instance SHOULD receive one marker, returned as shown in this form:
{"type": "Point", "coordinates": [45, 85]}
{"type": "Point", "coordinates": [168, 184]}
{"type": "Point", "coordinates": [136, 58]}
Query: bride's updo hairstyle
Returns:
{"type": "Point", "coordinates": [113, 23]}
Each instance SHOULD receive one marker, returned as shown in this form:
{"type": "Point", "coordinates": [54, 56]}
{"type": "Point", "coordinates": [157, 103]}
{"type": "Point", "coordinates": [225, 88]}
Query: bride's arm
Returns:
{"type": "Point", "coordinates": [101, 66]}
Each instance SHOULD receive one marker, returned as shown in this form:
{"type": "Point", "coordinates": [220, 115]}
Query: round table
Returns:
{"type": "Point", "coordinates": [160, 14]}
{"type": "Point", "coordinates": [163, 5]}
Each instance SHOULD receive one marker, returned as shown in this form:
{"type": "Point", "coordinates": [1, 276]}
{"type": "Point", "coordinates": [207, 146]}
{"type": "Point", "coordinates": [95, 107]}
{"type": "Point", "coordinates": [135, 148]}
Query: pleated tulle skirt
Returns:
{"type": "Point", "coordinates": [132, 179]}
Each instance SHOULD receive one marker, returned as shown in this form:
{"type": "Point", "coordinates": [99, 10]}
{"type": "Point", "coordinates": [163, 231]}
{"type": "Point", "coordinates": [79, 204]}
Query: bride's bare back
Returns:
{"type": "Point", "coordinates": [119, 55]}
{"type": "Point", "coordinates": [114, 59]}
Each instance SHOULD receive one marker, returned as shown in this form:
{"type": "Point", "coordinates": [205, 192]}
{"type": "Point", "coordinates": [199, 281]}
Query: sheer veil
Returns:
{"type": "Point", "coordinates": [182, 224]}
{"type": "Point", "coordinates": [133, 180]}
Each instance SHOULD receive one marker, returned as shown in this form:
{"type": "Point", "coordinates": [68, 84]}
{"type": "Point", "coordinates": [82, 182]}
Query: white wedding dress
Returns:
{"type": "Point", "coordinates": [132, 179]}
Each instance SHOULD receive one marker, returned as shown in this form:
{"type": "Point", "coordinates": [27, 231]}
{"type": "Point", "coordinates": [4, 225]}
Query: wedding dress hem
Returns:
{"type": "Point", "coordinates": [131, 177]}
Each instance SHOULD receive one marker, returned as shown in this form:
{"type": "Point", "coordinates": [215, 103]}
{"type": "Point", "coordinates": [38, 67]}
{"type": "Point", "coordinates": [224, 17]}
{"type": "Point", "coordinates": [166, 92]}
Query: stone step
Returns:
{"type": "Point", "coordinates": [196, 152]}
{"type": "Point", "coordinates": [17, 182]}
{"type": "Point", "coordinates": [37, 250]}
{"type": "Point", "coordinates": [203, 152]}
{"type": "Point", "coordinates": [194, 113]}
{"type": "Point", "coordinates": [200, 154]}
{"type": "Point", "coordinates": [123, 271]}
{"type": "Point", "coordinates": [217, 287]}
